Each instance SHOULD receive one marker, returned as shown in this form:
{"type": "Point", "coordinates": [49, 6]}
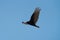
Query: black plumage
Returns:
{"type": "Point", "coordinates": [34, 18]}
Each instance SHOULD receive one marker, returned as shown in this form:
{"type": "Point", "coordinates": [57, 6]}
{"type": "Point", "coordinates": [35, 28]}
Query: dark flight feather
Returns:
{"type": "Point", "coordinates": [35, 16]}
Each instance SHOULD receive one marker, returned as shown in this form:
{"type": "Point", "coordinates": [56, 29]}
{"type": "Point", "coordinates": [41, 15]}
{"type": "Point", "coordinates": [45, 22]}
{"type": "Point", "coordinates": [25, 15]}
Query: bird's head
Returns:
{"type": "Point", "coordinates": [24, 22]}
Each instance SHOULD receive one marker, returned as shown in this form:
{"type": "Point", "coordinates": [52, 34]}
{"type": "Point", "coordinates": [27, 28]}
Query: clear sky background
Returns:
{"type": "Point", "coordinates": [13, 12]}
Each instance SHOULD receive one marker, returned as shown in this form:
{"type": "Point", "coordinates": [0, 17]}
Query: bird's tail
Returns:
{"type": "Point", "coordinates": [37, 26]}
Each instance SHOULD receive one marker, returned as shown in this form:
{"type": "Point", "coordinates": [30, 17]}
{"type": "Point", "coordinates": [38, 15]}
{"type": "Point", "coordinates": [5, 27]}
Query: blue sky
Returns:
{"type": "Point", "coordinates": [13, 12]}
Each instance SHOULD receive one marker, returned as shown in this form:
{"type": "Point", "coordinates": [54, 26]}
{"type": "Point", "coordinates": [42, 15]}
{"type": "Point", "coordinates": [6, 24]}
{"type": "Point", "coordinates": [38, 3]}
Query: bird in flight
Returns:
{"type": "Point", "coordinates": [34, 18]}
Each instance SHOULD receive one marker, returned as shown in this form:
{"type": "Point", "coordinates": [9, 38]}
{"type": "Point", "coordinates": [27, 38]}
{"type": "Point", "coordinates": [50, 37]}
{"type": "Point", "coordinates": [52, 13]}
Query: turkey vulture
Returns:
{"type": "Point", "coordinates": [34, 18]}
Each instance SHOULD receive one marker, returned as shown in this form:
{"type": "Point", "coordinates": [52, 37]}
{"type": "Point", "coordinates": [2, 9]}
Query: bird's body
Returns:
{"type": "Point", "coordinates": [32, 24]}
{"type": "Point", "coordinates": [34, 18]}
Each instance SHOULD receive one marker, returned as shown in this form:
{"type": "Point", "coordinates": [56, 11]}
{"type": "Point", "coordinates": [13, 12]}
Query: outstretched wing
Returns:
{"type": "Point", "coordinates": [35, 16]}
